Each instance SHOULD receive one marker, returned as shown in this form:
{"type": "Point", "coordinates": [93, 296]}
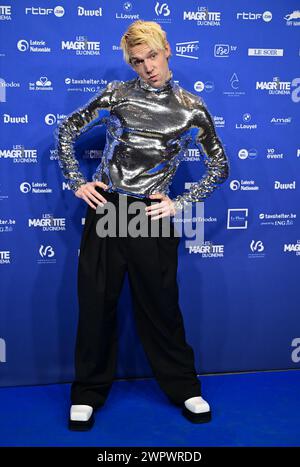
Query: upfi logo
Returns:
{"type": "Point", "coordinates": [2, 351]}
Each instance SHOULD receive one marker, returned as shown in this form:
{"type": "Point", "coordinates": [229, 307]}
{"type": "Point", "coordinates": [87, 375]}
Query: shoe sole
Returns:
{"type": "Point", "coordinates": [196, 417]}
{"type": "Point", "coordinates": [78, 425]}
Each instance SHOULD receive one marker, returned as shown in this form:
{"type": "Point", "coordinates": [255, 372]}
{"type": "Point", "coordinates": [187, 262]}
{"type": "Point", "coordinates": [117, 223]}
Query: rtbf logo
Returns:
{"type": "Point", "coordinates": [58, 11]}
{"type": "Point", "coordinates": [265, 16]}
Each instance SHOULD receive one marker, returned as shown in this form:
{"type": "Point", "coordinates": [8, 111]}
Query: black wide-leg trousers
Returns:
{"type": "Point", "coordinates": [151, 263]}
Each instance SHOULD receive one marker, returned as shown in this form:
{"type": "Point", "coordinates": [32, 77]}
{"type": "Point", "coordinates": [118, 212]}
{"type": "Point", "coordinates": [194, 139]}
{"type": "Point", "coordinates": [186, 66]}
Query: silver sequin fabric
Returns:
{"type": "Point", "coordinates": [148, 131]}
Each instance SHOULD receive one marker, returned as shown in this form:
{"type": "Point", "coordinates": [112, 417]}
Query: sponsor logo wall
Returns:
{"type": "Point", "coordinates": [239, 286]}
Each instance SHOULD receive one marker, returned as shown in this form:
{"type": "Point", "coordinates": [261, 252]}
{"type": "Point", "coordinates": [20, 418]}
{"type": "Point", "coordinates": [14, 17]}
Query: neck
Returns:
{"type": "Point", "coordinates": [169, 83]}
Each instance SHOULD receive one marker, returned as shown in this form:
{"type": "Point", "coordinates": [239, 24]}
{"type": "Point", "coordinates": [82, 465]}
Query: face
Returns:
{"type": "Point", "coordinates": [150, 64]}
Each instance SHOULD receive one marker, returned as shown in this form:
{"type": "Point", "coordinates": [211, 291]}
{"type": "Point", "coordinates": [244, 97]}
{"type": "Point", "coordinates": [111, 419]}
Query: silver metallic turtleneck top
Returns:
{"type": "Point", "coordinates": [148, 133]}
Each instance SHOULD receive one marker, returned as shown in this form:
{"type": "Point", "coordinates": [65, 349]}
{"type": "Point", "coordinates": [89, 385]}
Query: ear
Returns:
{"type": "Point", "coordinates": [168, 50]}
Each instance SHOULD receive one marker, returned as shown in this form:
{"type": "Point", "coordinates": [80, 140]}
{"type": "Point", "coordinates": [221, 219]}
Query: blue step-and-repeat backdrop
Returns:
{"type": "Point", "coordinates": [239, 291]}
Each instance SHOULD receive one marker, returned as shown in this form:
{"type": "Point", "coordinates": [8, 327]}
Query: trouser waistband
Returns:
{"type": "Point", "coordinates": [115, 196]}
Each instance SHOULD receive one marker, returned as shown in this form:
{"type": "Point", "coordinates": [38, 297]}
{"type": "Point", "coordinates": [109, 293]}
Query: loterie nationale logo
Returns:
{"type": "Point", "coordinates": [33, 46]}
{"type": "Point", "coordinates": [35, 188]}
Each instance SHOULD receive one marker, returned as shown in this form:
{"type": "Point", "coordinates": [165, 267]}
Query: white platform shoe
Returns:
{"type": "Point", "coordinates": [196, 410]}
{"type": "Point", "coordinates": [81, 417]}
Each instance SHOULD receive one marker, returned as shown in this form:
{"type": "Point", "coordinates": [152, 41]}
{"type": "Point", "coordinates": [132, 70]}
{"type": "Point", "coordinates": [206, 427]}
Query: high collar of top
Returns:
{"type": "Point", "coordinates": [166, 86]}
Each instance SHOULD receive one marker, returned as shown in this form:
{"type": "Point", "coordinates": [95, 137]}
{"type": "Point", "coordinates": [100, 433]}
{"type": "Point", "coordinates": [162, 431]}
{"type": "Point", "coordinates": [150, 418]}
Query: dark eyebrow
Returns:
{"type": "Point", "coordinates": [138, 58]}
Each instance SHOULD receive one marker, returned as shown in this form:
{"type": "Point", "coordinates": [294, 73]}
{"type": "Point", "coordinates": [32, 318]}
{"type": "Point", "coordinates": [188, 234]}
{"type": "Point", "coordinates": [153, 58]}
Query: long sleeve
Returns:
{"type": "Point", "coordinates": [215, 159]}
{"type": "Point", "coordinates": [79, 121]}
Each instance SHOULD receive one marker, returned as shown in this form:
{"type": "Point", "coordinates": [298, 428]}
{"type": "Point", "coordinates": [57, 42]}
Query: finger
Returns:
{"type": "Point", "coordinates": [98, 196]}
{"type": "Point", "coordinates": [165, 211]}
{"type": "Point", "coordinates": [158, 211]}
{"type": "Point", "coordinates": [164, 214]}
{"type": "Point", "coordinates": [155, 205]}
{"type": "Point", "coordinates": [88, 201]}
{"type": "Point", "coordinates": [155, 208]}
{"type": "Point", "coordinates": [101, 184]}
{"type": "Point", "coordinates": [93, 198]}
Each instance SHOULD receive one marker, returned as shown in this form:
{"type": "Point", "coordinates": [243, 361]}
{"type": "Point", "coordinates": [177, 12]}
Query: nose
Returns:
{"type": "Point", "coordinates": [148, 65]}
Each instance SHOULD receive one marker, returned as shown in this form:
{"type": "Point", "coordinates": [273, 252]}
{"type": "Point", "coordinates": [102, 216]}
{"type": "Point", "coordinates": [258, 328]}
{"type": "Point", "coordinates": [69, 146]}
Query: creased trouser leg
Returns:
{"type": "Point", "coordinates": [101, 271]}
{"type": "Point", "coordinates": [152, 272]}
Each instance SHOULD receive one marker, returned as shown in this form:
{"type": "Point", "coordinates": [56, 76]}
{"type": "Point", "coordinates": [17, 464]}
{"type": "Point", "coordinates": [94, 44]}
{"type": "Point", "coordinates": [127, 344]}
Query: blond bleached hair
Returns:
{"type": "Point", "coordinates": [143, 32]}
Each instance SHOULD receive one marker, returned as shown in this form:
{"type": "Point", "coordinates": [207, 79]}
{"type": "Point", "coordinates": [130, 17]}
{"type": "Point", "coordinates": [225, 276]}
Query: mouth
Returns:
{"type": "Point", "coordinates": [153, 78]}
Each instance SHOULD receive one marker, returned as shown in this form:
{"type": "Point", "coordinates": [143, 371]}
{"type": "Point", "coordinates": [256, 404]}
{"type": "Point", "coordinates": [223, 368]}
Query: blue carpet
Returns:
{"type": "Point", "coordinates": [249, 409]}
